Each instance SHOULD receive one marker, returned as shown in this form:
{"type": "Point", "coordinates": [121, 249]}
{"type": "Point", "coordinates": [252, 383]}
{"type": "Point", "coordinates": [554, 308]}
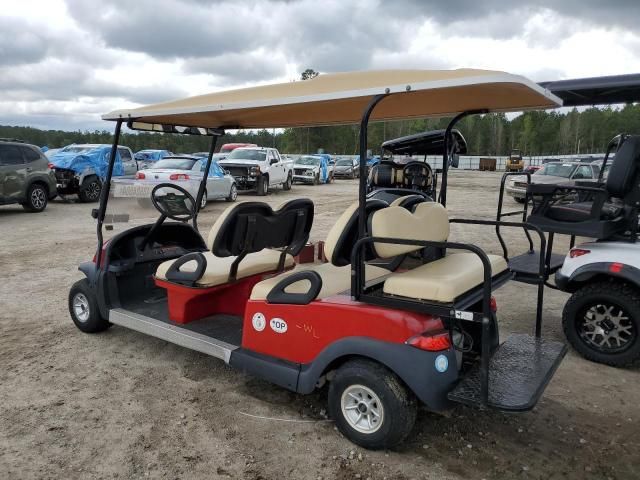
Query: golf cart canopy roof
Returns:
{"type": "Point", "coordinates": [597, 90]}
{"type": "Point", "coordinates": [341, 98]}
{"type": "Point", "coordinates": [425, 143]}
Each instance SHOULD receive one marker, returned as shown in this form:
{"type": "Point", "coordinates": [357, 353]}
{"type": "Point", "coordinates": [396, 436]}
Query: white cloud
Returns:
{"type": "Point", "coordinates": [66, 62]}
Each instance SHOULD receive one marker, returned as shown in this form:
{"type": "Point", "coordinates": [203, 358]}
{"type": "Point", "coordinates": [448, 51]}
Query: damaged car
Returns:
{"type": "Point", "coordinates": [80, 169]}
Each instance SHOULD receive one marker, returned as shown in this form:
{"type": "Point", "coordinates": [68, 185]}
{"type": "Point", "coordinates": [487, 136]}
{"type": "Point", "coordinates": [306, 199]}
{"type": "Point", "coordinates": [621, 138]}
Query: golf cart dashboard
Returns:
{"type": "Point", "coordinates": [169, 241]}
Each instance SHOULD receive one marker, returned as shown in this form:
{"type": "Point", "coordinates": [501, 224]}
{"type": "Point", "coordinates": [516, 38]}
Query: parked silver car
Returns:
{"type": "Point", "coordinates": [346, 168]}
{"type": "Point", "coordinates": [185, 171]}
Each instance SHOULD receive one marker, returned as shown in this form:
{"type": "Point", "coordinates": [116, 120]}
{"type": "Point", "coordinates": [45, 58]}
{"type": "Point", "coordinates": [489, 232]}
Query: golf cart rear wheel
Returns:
{"type": "Point", "coordinates": [90, 190]}
{"type": "Point", "coordinates": [602, 322]}
{"type": "Point", "coordinates": [83, 308]}
{"type": "Point", "coordinates": [370, 405]}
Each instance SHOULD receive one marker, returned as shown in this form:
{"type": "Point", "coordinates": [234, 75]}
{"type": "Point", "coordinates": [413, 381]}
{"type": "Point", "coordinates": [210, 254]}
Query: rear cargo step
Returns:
{"type": "Point", "coordinates": [519, 371]}
{"type": "Point", "coordinates": [528, 264]}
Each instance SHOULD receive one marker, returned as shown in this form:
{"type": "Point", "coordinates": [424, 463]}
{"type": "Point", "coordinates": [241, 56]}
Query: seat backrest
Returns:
{"type": "Point", "coordinates": [408, 201]}
{"type": "Point", "coordinates": [428, 222]}
{"type": "Point", "coordinates": [382, 174]}
{"type": "Point", "coordinates": [624, 169]}
{"type": "Point", "coordinates": [249, 227]}
{"type": "Point", "coordinates": [344, 233]}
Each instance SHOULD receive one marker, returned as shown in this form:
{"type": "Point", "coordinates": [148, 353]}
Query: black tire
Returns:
{"type": "Point", "coordinates": [397, 403]}
{"type": "Point", "coordinates": [519, 200]}
{"type": "Point", "coordinates": [233, 193]}
{"type": "Point", "coordinates": [203, 202]}
{"type": "Point", "coordinates": [591, 302]}
{"type": "Point", "coordinates": [82, 299]}
{"type": "Point", "coordinates": [37, 198]}
{"type": "Point", "coordinates": [263, 185]}
{"type": "Point", "coordinates": [316, 179]}
{"type": "Point", "coordinates": [90, 190]}
{"type": "Point", "coordinates": [287, 185]}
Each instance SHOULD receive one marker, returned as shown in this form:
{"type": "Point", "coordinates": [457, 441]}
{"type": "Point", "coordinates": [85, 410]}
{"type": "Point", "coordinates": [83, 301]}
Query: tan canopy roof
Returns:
{"type": "Point", "coordinates": [342, 97]}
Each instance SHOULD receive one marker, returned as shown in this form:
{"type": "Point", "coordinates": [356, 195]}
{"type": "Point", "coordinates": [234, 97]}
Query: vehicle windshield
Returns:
{"type": "Point", "coordinates": [242, 154]}
{"type": "Point", "coordinates": [556, 169]}
{"type": "Point", "coordinates": [315, 161]}
{"type": "Point", "coordinates": [344, 163]}
{"type": "Point", "coordinates": [175, 163]}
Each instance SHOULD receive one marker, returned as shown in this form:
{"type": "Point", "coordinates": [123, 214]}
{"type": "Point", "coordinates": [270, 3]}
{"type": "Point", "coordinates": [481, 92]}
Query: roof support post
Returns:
{"type": "Point", "coordinates": [104, 194]}
{"type": "Point", "coordinates": [362, 192]}
{"type": "Point", "coordinates": [203, 183]}
{"type": "Point", "coordinates": [446, 154]}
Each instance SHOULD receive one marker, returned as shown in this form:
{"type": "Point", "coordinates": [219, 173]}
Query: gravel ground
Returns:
{"type": "Point", "coordinates": [123, 405]}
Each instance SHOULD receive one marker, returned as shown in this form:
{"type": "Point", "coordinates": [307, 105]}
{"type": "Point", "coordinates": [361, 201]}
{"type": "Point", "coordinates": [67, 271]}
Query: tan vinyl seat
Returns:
{"type": "Point", "coordinates": [336, 275]}
{"type": "Point", "coordinates": [334, 280]}
{"type": "Point", "coordinates": [442, 280]}
{"type": "Point", "coordinates": [218, 267]}
{"type": "Point", "coordinates": [217, 271]}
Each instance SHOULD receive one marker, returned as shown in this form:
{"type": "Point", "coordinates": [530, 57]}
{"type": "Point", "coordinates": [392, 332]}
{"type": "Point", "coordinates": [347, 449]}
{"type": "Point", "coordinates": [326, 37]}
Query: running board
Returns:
{"type": "Point", "coordinates": [172, 333]}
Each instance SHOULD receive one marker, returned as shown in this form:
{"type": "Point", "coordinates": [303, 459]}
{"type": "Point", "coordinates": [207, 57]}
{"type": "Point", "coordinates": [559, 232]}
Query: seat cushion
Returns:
{"type": "Point", "coordinates": [334, 280]}
{"type": "Point", "coordinates": [581, 211]}
{"type": "Point", "coordinates": [443, 280]}
{"type": "Point", "coordinates": [217, 271]}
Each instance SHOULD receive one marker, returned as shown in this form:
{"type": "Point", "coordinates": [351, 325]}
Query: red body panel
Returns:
{"type": "Point", "coordinates": [310, 328]}
{"type": "Point", "coordinates": [187, 304]}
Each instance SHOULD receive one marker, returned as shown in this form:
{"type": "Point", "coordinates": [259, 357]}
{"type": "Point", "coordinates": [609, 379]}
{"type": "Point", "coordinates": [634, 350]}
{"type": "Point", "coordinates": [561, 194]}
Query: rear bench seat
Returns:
{"type": "Point", "coordinates": [442, 280]}
{"type": "Point", "coordinates": [335, 275]}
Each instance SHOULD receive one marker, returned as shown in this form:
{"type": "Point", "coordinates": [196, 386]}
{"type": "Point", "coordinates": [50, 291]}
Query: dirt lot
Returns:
{"type": "Point", "coordinates": [123, 405]}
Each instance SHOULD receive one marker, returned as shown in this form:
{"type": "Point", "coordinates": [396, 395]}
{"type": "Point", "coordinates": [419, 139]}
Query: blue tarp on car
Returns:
{"type": "Point", "coordinates": [96, 158]}
{"type": "Point", "coordinates": [324, 166]}
{"type": "Point", "coordinates": [151, 155]}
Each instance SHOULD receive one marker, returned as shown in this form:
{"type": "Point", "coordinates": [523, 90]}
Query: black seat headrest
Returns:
{"type": "Point", "coordinates": [624, 168]}
{"type": "Point", "coordinates": [249, 227]}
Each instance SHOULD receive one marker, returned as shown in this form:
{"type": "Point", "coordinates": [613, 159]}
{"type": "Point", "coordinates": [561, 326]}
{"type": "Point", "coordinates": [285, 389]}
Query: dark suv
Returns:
{"type": "Point", "coordinates": [25, 176]}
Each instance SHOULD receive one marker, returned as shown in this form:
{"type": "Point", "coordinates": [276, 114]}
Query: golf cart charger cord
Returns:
{"type": "Point", "coordinates": [464, 336]}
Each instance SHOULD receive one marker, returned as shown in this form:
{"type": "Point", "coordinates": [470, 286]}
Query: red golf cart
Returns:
{"type": "Point", "coordinates": [382, 337]}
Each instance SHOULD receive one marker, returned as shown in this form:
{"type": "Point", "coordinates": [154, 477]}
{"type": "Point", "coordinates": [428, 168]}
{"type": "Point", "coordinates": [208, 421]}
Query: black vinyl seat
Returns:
{"type": "Point", "coordinates": [600, 212]}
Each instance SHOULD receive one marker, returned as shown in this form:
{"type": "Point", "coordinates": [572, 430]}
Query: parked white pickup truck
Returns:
{"type": "Point", "coordinates": [258, 168]}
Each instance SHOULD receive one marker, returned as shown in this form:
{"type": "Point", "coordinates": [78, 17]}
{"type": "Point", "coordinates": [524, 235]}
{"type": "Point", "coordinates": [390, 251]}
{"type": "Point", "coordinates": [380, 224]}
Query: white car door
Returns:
{"type": "Point", "coordinates": [276, 168]}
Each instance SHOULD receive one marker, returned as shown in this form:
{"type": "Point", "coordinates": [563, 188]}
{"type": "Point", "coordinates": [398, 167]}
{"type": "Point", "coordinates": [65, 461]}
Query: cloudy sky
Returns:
{"type": "Point", "coordinates": [65, 62]}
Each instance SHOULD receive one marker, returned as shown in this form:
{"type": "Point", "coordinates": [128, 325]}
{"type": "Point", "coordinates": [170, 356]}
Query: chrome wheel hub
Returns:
{"type": "Point", "coordinates": [81, 307]}
{"type": "Point", "coordinates": [607, 327]}
{"type": "Point", "coordinates": [362, 409]}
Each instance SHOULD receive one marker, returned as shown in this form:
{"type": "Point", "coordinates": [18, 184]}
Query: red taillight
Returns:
{"type": "Point", "coordinates": [179, 176]}
{"type": "Point", "coordinates": [431, 342]}
{"type": "Point", "coordinates": [493, 305]}
{"type": "Point", "coordinates": [578, 252]}
{"type": "Point", "coordinates": [50, 166]}
{"type": "Point", "coordinates": [140, 176]}
{"type": "Point", "coordinates": [615, 267]}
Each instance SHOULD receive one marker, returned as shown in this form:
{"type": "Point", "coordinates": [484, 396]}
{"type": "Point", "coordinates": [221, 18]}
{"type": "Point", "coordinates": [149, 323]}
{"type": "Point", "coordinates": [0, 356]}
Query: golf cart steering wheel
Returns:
{"type": "Point", "coordinates": [180, 207]}
{"type": "Point", "coordinates": [417, 175]}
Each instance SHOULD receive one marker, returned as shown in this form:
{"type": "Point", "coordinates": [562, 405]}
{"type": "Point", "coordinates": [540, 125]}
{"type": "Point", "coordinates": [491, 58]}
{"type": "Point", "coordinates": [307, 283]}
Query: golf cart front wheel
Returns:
{"type": "Point", "coordinates": [370, 405]}
{"type": "Point", "coordinates": [602, 322]}
{"type": "Point", "coordinates": [83, 308]}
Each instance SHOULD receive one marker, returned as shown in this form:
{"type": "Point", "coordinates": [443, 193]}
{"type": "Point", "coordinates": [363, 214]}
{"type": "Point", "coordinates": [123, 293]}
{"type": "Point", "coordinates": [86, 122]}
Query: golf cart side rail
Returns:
{"type": "Point", "coordinates": [357, 287]}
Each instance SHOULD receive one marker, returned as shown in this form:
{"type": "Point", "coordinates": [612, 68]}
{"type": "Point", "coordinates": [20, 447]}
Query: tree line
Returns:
{"type": "Point", "coordinates": [534, 133]}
